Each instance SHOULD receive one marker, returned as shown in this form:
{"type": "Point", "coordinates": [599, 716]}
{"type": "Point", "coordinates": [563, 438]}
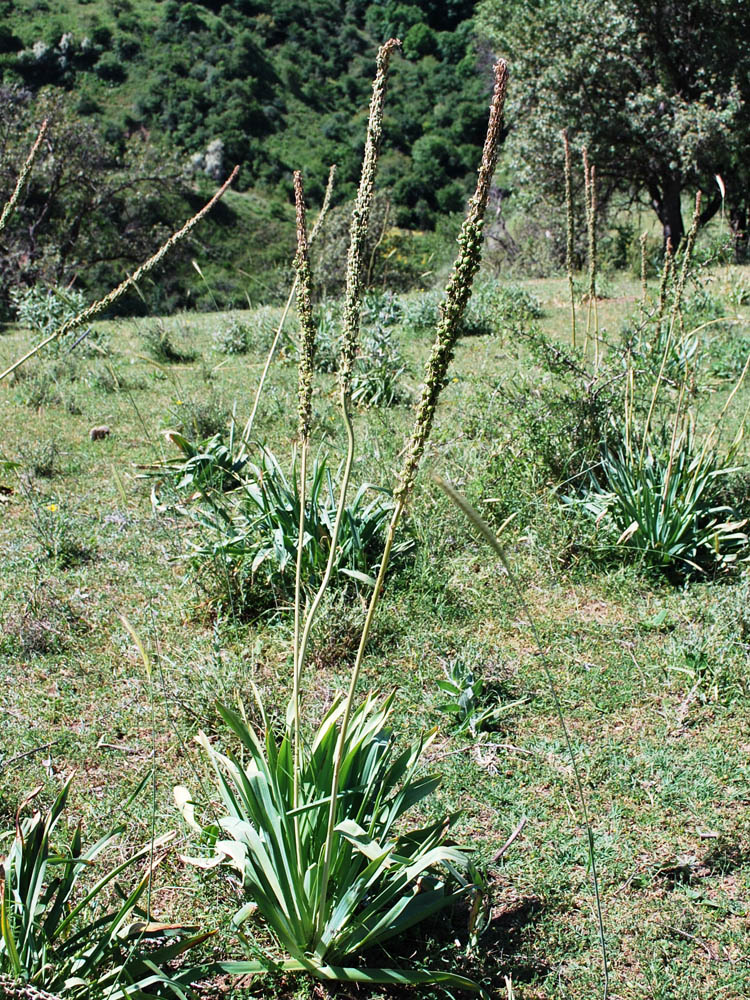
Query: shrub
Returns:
{"type": "Point", "coordinates": [161, 344]}
{"type": "Point", "coordinates": [253, 532]}
{"type": "Point", "coordinates": [327, 338]}
{"type": "Point", "coordinates": [726, 356]}
{"type": "Point", "coordinates": [234, 337]}
{"type": "Point", "coordinates": [46, 309]}
{"type": "Point", "coordinates": [493, 309]}
{"type": "Point", "coordinates": [381, 309]}
{"type": "Point", "coordinates": [420, 313]}
{"type": "Point", "coordinates": [664, 506]}
{"type": "Point", "coordinates": [657, 345]}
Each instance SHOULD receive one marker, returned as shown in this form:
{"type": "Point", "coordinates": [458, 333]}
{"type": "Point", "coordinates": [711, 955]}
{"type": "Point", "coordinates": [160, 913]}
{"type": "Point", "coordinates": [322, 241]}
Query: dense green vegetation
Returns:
{"type": "Point", "coordinates": [657, 89]}
{"type": "Point", "coordinates": [201, 87]}
{"type": "Point", "coordinates": [653, 676]}
{"type": "Point", "coordinates": [475, 731]}
{"type": "Point", "coordinates": [274, 86]}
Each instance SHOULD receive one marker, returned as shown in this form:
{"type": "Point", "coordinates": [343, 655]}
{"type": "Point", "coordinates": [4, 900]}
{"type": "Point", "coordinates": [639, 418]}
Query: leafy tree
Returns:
{"type": "Point", "coordinates": [657, 89]}
{"type": "Point", "coordinates": [90, 209]}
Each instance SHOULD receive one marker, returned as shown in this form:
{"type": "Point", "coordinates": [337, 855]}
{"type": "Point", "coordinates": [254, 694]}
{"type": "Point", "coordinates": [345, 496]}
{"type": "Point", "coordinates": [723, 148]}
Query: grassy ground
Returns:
{"type": "Point", "coordinates": [652, 677]}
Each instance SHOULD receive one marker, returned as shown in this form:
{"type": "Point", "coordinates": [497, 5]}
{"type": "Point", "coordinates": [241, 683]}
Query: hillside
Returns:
{"type": "Point", "coordinates": [274, 85]}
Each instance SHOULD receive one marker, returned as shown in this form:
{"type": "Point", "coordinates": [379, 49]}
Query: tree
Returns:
{"type": "Point", "coordinates": [89, 209]}
{"type": "Point", "coordinates": [657, 90]}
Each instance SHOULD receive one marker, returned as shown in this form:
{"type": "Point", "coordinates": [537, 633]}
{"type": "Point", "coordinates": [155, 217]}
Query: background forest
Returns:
{"type": "Point", "coordinates": [152, 102]}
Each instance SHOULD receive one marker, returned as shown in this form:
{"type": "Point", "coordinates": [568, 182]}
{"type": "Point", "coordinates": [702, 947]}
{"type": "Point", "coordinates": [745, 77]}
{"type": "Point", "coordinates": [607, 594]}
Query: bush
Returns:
{"type": "Point", "coordinates": [666, 506]}
{"type": "Point", "coordinates": [726, 356]}
{"type": "Point", "coordinates": [44, 310]}
{"type": "Point", "coordinates": [252, 533]}
{"type": "Point", "coordinates": [162, 345]}
{"type": "Point", "coordinates": [493, 309]}
{"type": "Point", "coordinates": [327, 338]}
{"type": "Point", "coordinates": [234, 337]}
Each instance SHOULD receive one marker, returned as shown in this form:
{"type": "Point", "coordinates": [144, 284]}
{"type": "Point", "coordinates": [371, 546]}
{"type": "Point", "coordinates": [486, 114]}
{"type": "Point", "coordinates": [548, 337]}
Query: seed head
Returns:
{"type": "Point", "coordinates": [457, 292]}
{"type": "Point", "coordinates": [304, 311]}
{"type": "Point", "coordinates": [361, 215]}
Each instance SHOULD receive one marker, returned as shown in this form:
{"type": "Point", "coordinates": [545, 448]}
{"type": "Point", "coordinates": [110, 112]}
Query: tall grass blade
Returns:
{"type": "Point", "coordinates": [489, 536]}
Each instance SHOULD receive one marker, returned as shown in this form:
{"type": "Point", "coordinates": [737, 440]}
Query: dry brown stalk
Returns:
{"type": "Point", "coordinates": [570, 236]}
{"type": "Point", "coordinates": [22, 177]}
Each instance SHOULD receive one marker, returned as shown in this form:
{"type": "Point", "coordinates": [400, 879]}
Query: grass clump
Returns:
{"type": "Point", "coordinates": [42, 458]}
{"type": "Point", "coordinates": [61, 536]}
{"type": "Point", "coordinates": [200, 417]}
{"type": "Point", "coordinates": [250, 537]}
{"type": "Point", "coordinates": [161, 344]}
{"type": "Point", "coordinates": [663, 506]}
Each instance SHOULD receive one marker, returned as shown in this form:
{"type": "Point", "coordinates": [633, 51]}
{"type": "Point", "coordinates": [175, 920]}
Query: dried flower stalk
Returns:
{"type": "Point", "coordinates": [303, 283]}
{"type": "Point", "coordinates": [22, 177]}
{"type": "Point", "coordinates": [569, 245]}
{"type": "Point", "coordinates": [304, 311]}
{"type": "Point", "coordinates": [134, 278]}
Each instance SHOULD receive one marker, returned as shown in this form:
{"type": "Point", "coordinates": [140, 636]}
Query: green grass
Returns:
{"type": "Point", "coordinates": [653, 679]}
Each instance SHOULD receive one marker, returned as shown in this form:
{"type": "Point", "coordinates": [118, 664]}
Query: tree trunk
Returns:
{"type": "Point", "coordinates": [667, 204]}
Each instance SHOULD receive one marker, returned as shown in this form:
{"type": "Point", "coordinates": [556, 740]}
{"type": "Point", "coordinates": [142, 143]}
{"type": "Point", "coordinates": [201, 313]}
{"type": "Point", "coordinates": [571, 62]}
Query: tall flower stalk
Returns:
{"type": "Point", "coordinates": [589, 176]}
{"type": "Point", "coordinates": [570, 236]}
{"type": "Point", "coordinates": [352, 310]}
{"type": "Point", "coordinates": [96, 307]}
{"type": "Point", "coordinates": [285, 312]}
{"type": "Point", "coordinates": [457, 296]}
{"type": "Point", "coordinates": [674, 312]}
{"type": "Point", "coordinates": [22, 177]}
{"type": "Point", "coordinates": [303, 283]}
